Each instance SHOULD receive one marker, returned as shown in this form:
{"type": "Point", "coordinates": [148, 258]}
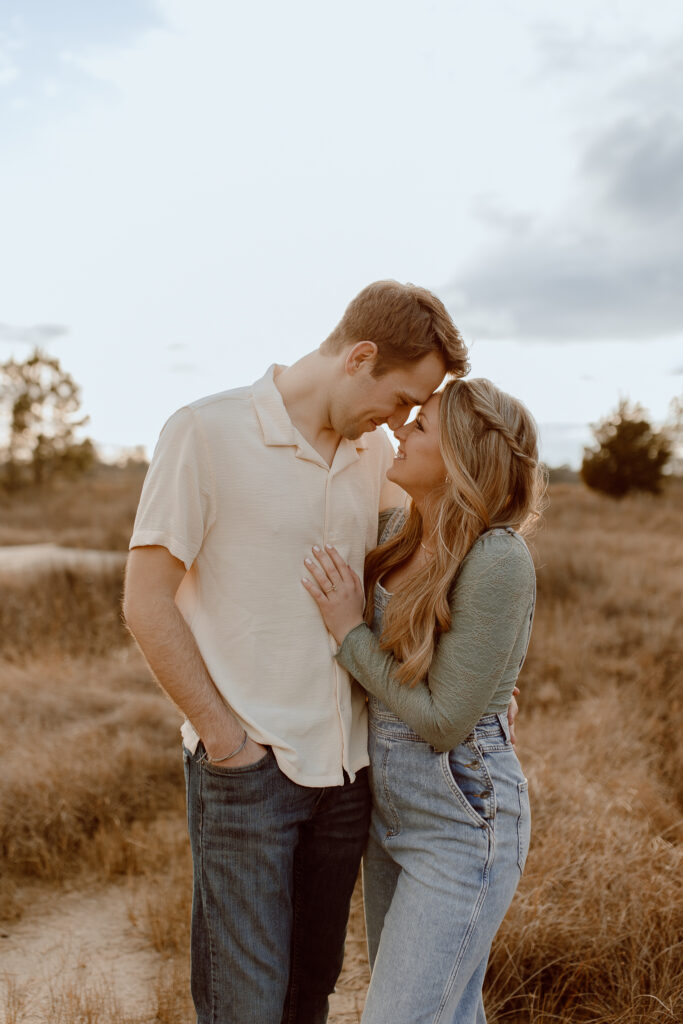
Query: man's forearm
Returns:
{"type": "Point", "coordinates": [171, 652]}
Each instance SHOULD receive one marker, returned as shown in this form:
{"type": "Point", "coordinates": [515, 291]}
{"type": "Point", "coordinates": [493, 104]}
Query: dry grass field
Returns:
{"type": "Point", "coordinates": [95, 511]}
{"type": "Point", "coordinates": [91, 806]}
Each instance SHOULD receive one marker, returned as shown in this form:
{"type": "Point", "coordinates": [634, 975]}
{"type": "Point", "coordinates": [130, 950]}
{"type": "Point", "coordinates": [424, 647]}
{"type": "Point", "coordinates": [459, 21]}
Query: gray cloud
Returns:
{"type": "Point", "coordinates": [612, 265]}
{"type": "Point", "coordinates": [38, 334]}
{"type": "Point", "coordinates": [639, 165]}
{"type": "Point", "coordinates": [489, 210]}
{"type": "Point", "coordinates": [563, 49]}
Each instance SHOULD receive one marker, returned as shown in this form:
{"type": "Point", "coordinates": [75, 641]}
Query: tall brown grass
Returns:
{"type": "Point", "coordinates": [595, 933]}
{"type": "Point", "coordinates": [62, 613]}
{"type": "Point", "coordinates": [92, 780]}
{"type": "Point", "coordinates": [89, 762]}
{"type": "Point", "coordinates": [95, 511]}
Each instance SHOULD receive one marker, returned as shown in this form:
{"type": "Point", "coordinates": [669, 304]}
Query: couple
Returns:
{"type": "Point", "coordinates": [258, 517]}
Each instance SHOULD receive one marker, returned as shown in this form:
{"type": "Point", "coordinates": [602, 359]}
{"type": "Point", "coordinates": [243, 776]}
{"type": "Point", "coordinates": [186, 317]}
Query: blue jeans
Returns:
{"type": "Point", "coordinates": [448, 841]}
{"type": "Point", "coordinates": [274, 868]}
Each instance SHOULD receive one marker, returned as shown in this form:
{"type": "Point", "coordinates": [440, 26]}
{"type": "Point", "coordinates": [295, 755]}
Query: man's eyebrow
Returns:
{"type": "Point", "coordinates": [407, 399]}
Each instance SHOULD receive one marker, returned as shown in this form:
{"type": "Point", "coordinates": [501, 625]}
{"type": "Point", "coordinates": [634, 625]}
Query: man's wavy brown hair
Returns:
{"type": "Point", "coordinates": [405, 322]}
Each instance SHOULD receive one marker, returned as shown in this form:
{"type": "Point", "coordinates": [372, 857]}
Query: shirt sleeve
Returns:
{"type": "Point", "coordinates": [491, 603]}
{"type": "Point", "coordinates": [176, 507]}
{"type": "Point", "coordinates": [385, 517]}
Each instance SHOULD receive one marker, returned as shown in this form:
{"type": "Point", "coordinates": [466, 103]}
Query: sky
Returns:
{"type": "Point", "coordinates": [191, 190]}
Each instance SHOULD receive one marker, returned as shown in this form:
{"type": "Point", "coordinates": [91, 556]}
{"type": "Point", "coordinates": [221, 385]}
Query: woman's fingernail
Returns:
{"type": "Point", "coordinates": [316, 548]}
{"type": "Point", "coordinates": [308, 561]}
{"type": "Point", "coordinates": [330, 547]}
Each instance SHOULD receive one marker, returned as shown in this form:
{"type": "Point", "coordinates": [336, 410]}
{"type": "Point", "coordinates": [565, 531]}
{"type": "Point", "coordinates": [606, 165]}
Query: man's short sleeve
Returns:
{"type": "Point", "coordinates": [176, 507]}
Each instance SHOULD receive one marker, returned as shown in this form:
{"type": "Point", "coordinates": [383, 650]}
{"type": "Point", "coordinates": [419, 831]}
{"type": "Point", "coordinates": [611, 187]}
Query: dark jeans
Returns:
{"type": "Point", "coordinates": [274, 868]}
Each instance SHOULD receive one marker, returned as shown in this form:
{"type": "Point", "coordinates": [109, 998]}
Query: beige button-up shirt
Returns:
{"type": "Point", "coordinates": [239, 496]}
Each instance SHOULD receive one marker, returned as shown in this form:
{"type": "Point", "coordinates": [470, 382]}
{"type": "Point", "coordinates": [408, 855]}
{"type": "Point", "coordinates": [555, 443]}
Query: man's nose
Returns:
{"type": "Point", "coordinates": [397, 419]}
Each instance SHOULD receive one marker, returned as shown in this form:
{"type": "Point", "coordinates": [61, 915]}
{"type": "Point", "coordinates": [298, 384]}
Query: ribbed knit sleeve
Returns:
{"type": "Point", "coordinates": [476, 663]}
{"type": "Point", "coordinates": [389, 518]}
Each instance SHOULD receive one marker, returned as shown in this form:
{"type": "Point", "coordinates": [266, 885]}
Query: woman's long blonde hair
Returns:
{"type": "Point", "coordinates": [489, 444]}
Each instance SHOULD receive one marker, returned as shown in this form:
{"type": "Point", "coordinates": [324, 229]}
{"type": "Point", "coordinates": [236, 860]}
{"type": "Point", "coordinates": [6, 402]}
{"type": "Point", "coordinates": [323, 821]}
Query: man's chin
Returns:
{"type": "Point", "coordinates": [352, 431]}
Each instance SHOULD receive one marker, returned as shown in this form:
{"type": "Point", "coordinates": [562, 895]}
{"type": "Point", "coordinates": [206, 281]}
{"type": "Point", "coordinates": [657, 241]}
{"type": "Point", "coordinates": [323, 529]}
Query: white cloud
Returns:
{"type": "Point", "coordinates": [8, 75]}
{"type": "Point", "coordinates": [9, 69]}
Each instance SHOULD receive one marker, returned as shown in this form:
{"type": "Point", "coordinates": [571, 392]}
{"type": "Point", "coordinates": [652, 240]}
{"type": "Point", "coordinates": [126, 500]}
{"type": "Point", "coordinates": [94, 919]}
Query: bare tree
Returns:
{"type": "Point", "coordinates": [42, 411]}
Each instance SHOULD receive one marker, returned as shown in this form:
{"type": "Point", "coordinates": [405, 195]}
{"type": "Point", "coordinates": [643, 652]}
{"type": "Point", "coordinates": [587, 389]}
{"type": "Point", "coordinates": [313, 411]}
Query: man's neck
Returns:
{"type": "Point", "coordinates": [305, 387]}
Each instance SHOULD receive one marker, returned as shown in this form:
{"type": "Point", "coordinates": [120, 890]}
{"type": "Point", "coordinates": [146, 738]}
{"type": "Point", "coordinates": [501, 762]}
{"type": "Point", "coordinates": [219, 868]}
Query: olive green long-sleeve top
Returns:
{"type": "Point", "coordinates": [477, 661]}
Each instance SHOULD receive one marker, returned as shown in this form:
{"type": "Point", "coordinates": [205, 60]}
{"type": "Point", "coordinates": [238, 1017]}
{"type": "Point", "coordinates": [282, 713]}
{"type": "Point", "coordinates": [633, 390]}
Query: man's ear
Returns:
{"type": "Point", "coordinates": [363, 355]}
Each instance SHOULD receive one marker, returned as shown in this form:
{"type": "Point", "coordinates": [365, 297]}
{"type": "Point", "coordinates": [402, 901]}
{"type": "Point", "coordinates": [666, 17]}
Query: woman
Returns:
{"type": "Point", "coordinates": [450, 600]}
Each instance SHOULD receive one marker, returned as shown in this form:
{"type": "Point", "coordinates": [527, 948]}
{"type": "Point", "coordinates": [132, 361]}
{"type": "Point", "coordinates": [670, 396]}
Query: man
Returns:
{"type": "Point", "coordinates": [241, 485]}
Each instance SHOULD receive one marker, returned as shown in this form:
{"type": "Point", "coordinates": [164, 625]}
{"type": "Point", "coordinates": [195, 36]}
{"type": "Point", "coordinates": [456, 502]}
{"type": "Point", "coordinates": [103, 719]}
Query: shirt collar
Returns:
{"type": "Point", "coordinates": [276, 425]}
{"type": "Point", "coordinates": [274, 419]}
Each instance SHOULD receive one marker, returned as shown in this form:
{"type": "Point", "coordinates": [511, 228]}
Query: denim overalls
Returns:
{"type": "Point", "coordinates": [448, 841]}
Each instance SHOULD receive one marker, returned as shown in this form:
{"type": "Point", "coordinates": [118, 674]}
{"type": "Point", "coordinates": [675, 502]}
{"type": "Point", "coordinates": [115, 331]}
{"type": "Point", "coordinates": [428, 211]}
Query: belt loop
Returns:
{"type": "Point", "coordinates": [504, 724]}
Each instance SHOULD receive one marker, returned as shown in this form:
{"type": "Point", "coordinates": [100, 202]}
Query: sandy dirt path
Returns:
{"type": "Point", "coordinates": [41, 557]}
{"type": "Point", "coordinates": [74, 948]}
{"type": "Point", "coordinates": [70, 945]}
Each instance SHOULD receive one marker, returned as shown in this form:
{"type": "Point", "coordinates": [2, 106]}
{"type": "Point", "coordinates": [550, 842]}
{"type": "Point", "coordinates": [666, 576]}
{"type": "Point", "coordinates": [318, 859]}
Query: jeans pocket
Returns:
{"type": "Point", "coordinates": [470, 781]}
{"type": "Point", "coordinates": [195, 756]}
{"type": "Point", "coordinates": [523, 824]}
{"type": "Point", "coordinates": [383, 793]}
{"type": "Point", "coordinates": [226, 769]}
